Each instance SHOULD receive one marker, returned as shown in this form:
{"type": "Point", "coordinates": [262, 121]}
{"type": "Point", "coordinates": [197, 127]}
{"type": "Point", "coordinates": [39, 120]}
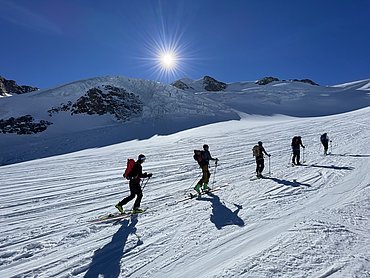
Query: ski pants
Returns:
{"type": "Point", "coordinates": [260, 165]}
{"type": "Point", "coordinates": [205, 175]}
{"type": "Point", "coordinates": [135, 190]}
{"type": "Point", "coordinates": [296, 156]}
{"type": "Point", "coordinates": [326, 146]}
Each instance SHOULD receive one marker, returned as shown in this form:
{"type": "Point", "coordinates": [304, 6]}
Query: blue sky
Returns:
{"type": "Point", "coordinates": [46, 43]}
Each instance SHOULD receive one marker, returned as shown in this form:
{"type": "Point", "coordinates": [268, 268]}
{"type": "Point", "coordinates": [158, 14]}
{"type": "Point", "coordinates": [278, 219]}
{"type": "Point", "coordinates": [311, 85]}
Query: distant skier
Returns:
{"type": "Point", "coordinates": [135, 175]}
{"type": "Point", "coordinates": [203, 158]}
{"type": "Point", "coordinates": [296, 144]}
{"type": "Point", "coordinates": [258, 151]}
{"type": "Point", "coordinates": [324, 138]}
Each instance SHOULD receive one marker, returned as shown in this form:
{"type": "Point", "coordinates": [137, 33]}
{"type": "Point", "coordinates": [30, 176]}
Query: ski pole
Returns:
{"type": "Point", "coordinates": [290, 159]}
{"type": "Point", "coordinates": [303, 160]}
{"type": "Point", "coordinates": [269, 166]}
{"type": "Point", "coordinates": [143, 186]}
{"type": "Point", "coordinates": [214, 173]}
{"type": "Point", "coordinates": [331, 150]}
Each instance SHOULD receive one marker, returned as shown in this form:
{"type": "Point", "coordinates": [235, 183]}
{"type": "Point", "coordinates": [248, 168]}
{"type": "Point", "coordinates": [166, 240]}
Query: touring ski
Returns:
{"type": "Point", "coordinates": [116, 216]}
{"type": "Point", "coordinates": [191, 195]}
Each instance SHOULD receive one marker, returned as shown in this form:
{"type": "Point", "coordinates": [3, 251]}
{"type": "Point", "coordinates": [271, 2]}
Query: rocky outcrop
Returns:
{"type": "Point", "coordinates": [10, 87]}
{"type": "Point", "coordinates": [266, 80]}
{"type": "Point", "coordinates": [211, 84]}
{"type": "Point", "coordinates": [23, 125]}
{"type": "Point", "coordinates": [181, 85]}
{"type": "Point", "coordinates": [104, 100]}
{"type": "Point", "coordinates": [308, 81]}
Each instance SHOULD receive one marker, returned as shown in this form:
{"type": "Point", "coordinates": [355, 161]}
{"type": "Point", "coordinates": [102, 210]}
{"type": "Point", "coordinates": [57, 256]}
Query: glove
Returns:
{"type": "Point", "coordinates": [304, 147]}
{"type": "Point", "coordinates": [216, 159]}
{"type": "Point", "coordinates": [269, 155]}
{"type": "Point", "coordinates": [149, 175]}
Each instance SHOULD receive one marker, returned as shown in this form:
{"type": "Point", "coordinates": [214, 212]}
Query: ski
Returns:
{"type": "Point", "coordinates": [254, 178]}
{"type": "Point", "coordinates": [191, 195]}
{"type": "Point", "coordinates": [301, 164]}
{"type": "Point", "coordinates": [116, 216]}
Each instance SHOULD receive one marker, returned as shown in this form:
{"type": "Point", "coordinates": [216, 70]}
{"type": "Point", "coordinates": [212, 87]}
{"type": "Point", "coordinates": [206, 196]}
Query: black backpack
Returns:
{"type": "Point", "coordinates": [296, 141]}
{"type": "Point", "coordinates": [323, 138]}
{"type": "Point", "coordinates": [199, 156]}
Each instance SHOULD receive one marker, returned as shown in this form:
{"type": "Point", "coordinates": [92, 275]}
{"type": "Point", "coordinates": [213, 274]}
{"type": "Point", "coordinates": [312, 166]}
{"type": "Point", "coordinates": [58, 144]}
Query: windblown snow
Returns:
{"type": "Point", "coordinates": [302, 221]}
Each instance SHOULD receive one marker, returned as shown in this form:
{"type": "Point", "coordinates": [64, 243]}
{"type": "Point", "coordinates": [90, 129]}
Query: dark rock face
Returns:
{"type": "Point", "coordinates": [23, 125]}
{"type": "Point", "coordinates": [308, 81]}
{"type": "Point", "coordinates": [181, 85]}
{"type": "Point", "coordinates": [211, 84]}
{"type": "Point", "coordinates": [116, 101]}
{"type": "Point", "coordinates": [11, 87]}
{"type": "Point", "coordinates": [266, 80]}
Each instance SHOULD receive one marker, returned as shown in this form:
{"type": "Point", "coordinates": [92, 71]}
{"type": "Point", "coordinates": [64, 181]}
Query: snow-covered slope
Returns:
{"type": "Point", "coordinates": [107, 110]}
{"type": "Point", "coordinates": [357, 85]}
{"type": "Point", "coordinates": [308, 221]}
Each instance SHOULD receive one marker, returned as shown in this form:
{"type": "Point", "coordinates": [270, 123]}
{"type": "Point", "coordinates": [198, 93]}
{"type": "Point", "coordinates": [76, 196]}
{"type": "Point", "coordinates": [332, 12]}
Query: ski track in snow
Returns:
{"type": "Point", "coordinates": [304, 221]}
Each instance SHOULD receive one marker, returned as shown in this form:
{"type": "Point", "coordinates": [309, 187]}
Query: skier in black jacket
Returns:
{"type": "Point", "coordinates": [296, 144]}
{"type": "Point", "coordinates": [325, 142]}
{"type": "Point", "coordinates": [258, 153]}
{"type": "Point", "coordinates": [135, 188]}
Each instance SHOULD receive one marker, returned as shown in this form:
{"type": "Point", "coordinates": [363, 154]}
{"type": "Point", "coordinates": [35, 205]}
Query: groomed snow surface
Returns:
{"type": "Point", "coordinates": [303, 221]}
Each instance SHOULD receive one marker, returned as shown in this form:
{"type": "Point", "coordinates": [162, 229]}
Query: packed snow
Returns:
{"type": "Point", "coordinates": [301, 221]}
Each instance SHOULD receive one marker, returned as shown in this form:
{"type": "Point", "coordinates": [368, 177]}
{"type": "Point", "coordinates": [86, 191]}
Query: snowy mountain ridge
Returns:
{"type": "Point", "coordinates": [120, 109]}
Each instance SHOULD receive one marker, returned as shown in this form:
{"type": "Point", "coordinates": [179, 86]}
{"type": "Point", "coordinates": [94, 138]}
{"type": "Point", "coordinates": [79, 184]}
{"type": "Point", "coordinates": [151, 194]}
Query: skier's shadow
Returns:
{"type": "Point", "coordinates": [106, 260]}
{"type": "Point", "coordinates": [221, 215]}
{"type": "Point", "coordinates": [293, 183]}
{"type": "Point", "coordinates": [351, 155]}
{"type": "Point", "coordinates": [332, 167]}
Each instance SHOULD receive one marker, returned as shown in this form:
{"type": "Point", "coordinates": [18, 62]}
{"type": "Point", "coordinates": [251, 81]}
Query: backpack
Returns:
{"type": "Point", "coordinates": [199, 156]}
{"type": "Point", "coordinates": [129, 166]}
{"type": "Point", "coordinates": [323, 138]}
{"type": "Point", "coordinates": [256, 150]}
{"type": "Point", "coordinates": [295, 141]}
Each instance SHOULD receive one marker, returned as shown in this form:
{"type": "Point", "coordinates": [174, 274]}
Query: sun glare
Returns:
{"type": "Point", "coordinates": [168, 60]}
{"type": "Point", "coordinates": [166, 54]}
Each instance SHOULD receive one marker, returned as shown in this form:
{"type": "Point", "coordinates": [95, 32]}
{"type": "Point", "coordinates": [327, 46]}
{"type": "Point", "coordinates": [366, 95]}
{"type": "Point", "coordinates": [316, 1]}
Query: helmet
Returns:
{"type": "Point", "coordinates": [260, 143]}
{"type": "Point", "coordinates": [205, 146]}
{"type": "Point", "coordinates": [141, 157]}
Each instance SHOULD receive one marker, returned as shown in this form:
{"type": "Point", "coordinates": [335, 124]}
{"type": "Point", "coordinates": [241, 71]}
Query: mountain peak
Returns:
{"type": "Point", "coordinates": [9, 87]}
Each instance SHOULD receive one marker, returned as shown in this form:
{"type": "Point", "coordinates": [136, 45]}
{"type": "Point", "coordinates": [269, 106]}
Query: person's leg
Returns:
{"type": "Point", "coordinates": [130, 197]}
{"type": "Point", "coordinates": [298, 158]}
{"type": "Point", "coordinates": [201, 181]}
{"type": "Point", "coordinates": [207, 174]}
{"type": "Point", "coordinates": [262, 165]}
{"type": "Point", "coordinates": [294, 157]}
{"type": "Point", "coordinates": [139, 195]}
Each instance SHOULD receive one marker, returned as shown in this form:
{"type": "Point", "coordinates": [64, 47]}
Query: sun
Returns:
{"type": "Point", "coordinates": [168, 60]}
{"type": "Point", "coordinates": [166, 54]}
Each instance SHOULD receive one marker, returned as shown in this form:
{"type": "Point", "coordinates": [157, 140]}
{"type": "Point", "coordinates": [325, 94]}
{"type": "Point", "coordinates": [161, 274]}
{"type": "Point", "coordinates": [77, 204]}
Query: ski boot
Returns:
{"type": "Point", "coordinates": [205, 187]}
{"type": "Point", "coordinates": [120, 208]}
{"type": "Point", "coordinates": [197, 188]}
{"type": "Point", "coordinates": [137, 210]}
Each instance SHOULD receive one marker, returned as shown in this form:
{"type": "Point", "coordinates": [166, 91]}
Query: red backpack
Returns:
{"type": "Point", "coordinates": [129, 166]}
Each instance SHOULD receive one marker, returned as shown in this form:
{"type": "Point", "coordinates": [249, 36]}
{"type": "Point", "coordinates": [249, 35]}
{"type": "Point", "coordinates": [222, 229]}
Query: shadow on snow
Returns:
{"type": "Point", "coordinates": [332, 167]}
{"type": "Point", "coordinates": [351, 155]}
{"type": "Point", "coordinates": [293, 183]}
{"type": "Point", "coordinates": [221, 215]}
{"type": "Point", "coordinates": [106, 260]}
